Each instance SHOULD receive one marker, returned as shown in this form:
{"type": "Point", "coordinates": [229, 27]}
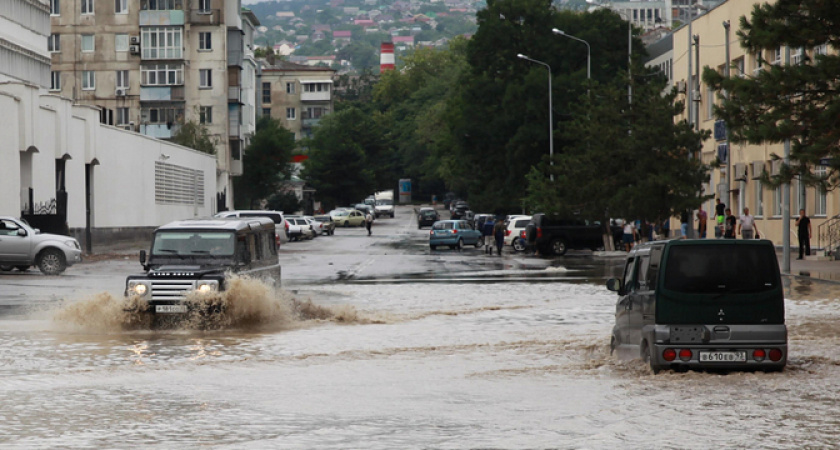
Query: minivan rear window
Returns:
{"type": "Point", "coordinates": [710, 269]}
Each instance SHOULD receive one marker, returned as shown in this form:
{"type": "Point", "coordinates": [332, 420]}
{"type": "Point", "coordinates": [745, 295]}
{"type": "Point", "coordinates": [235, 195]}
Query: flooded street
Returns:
{"type": "Point", "coordinates": [378, 343]}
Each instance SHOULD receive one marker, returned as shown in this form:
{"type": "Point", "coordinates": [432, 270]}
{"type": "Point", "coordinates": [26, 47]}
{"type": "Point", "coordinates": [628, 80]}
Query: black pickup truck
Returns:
{"type": "Point", "coordinates": [554, 235]}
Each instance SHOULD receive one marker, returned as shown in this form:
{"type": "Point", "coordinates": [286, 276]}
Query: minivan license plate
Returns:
{"type": "Point", "coordinates": [723, 356]}
{"type": "Point", "coordinates": [171, 309]}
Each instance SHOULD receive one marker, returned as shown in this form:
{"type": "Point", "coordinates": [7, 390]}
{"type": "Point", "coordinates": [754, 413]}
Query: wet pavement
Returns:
{"type": "Point", "coordinates": [378, 342]}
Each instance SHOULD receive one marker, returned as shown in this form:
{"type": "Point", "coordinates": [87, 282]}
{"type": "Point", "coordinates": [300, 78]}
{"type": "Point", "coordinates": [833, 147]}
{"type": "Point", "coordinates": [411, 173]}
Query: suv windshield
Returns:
{"type": "Point", "coordinates": [715, 269]}
{"type": "Point", "coordinates": [214, 243]}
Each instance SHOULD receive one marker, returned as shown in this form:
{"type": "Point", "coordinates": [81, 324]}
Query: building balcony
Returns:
{"type": "Point", "coordinates": [309, 123]}
{"type": "Point", "coordinates": [234, 129]}
{"type": "Point", "coordinates": [204, 16]}
{"type": "Point", "coordinates": [234, 94]}
{"type": "Point", "coordinates": [323, 96]}
{"type": "Point", "coordinates": [161, 93]}
{"type": "Point", "coordinates": [161, 18]}
{"type": "Point", "coordinates": [159, 130]}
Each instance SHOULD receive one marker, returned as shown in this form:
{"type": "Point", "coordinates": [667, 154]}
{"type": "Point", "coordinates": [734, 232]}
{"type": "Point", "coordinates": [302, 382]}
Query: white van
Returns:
{"type": "Point", "coordinates": [276, 216]}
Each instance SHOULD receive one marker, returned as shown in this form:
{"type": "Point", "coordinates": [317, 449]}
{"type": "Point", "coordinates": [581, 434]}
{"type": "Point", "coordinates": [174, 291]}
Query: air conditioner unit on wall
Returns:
{"type": "Point", "coordinates": [134, 40]}
{"type": "Point", "coordinates": [121, 92]}
{"type": "Point", "coordinates": [134, 49]}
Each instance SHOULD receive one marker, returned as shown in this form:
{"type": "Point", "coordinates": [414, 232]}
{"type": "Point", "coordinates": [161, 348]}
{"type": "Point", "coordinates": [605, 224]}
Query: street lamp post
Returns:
{"type": "Point", "coordinates": [550, 111]}
{"type": "Point", "coordinates": [588, 50]}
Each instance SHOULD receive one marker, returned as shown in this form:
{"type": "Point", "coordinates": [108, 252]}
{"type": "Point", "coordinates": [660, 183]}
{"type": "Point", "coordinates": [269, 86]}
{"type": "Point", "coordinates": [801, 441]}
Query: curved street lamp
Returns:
{"type": "Point", "coordinates": [550, 111]}
{"type": "Point", "coordinates": [588, 50]}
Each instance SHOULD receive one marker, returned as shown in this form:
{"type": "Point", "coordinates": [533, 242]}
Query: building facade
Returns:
{"type": "Point", "coordinates": [64, 170]}
{"type": "Point", "coordinates": [297, 95]}
{"type": "Point", "coordinates": [746, 161]}
{"type": "Point", "coordinates": [154, 65]}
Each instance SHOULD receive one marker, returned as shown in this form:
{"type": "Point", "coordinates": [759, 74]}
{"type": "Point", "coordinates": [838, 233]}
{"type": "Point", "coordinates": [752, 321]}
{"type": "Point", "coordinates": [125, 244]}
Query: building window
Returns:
{"type": "Point", "coordinates": [161, 5]}
{"type": "Point", "coordinates": [158, 115]}
{"type": "Point", "coordinates": [710, 103]}
{"type": "Point", "coordinates": [122, 79]}
{"type": "Point", "coordinates": [820, 206]}
{"type": "Point", "coordinates": [205, 115]}
{"type": "Point", "coordinates": [290, 88]}
{"type": "Point", "coordinates": [204, 41]}
{"type": "Point", "coordinates": [55, 7]}
{"type": "Point", "coordinates": [206, 78]}
{"type": "Point", "coordinates": [88, 80]}
{"type": "Point", "coordinates": [88, 43]}
{"type": "Point", "coordinates": [162, 75]}
{"type": "Point", "coordinates": [796, 55]}
{"type": "Point", "coordinates": [316, 87]}
{"type": "Point", "coordinates": [777, 202]}
{"type": "Point", "coordinates": [121, 42]}
{"type": "Point", "coordinates": [759, 199]}
{"type": "Point", "coordinates": [777, 55]}
{"type": "Point", "coordinates": [266, 92]}
{"type": "Point", "coordinates": [204, 5]}
{"type": "Point", "coordinates": [758, 63]}
{"type": "Point", "coordinates": [54, 43]}
{"type": "Point", "coordinates": [821, 49]}
{"type": "Point", "coordinates": [162, 42]}
{"type": "Point", "coordinates": [290, 114]}
{"type": "Point", "coordinates": [739, 67]}
{"type": "Point", "coordinates": [122, 116]}
{"type": "Point", "coordinates": [121, 6]}
{"type": "Point", "coordinates": [87, 6]}
{"type": "Point", "coordinates": [266, 112]}
{"type": "Point", "coordinates": [55, 81]}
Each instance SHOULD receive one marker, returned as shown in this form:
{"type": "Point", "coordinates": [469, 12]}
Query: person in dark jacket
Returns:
{"type": "Point", "coordinates": [499, 233]}
{"type": "Point", "coordinates": [487, 234]}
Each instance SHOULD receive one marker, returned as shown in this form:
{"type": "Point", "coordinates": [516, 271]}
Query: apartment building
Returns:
{"type": "Point", "coordinates": [23, 38]}
{"type": "Point", "coordinates": [298, 95]}
{"type": "Point", "coordinates": [154, 65]}
{"type": "Point", "coordinates": [746, 161]}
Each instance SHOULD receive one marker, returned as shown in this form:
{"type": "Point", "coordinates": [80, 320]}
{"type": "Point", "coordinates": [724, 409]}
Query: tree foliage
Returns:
{"type": "Point", "coordinates": [266, 164]}
{"type": "Point", "coordinates": [195, 136]}
{"type": "Point", "coordinates": [799, 102]}
{"type": "Point", "coordinates": [341, 155]}
{"type": "Point", "coordinates": [622, 161]}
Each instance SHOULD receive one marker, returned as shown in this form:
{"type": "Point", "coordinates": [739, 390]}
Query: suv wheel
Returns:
{"type": "Point", "coordinates": [346, 223]}
{"type": "Point", "coordinates": [518, 245]}
{"type": "Point", "coordinates": [51, 262]}
{"type": "Point", "coordinates": [6, 268]}
{"type": "Point", "coordinates": [559, 247]}
{"type": "Point", "coordinates": [646, 357]}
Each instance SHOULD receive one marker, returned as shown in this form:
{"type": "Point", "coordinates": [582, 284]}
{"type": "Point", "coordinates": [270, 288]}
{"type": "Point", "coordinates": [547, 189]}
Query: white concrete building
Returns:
{"type": "Point", "coordinates": [64, 170]}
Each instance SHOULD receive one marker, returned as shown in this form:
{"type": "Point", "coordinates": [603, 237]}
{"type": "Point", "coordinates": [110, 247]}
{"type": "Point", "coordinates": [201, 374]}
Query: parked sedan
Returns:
{"type": "Point", "coordinates": [454, 233]}
{"type": "Point", "coordinates": [325, 224]}
{"type": "Point", "coordinates": [22, 246]}
{"type": "Point", "coordinates": [426, 217]}
{"type": "Point", "coordinates": [348, 218]}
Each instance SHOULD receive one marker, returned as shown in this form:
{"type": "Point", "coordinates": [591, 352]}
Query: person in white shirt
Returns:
{"type": "Point", "coordinates": [747, 228]}
{"type": "Point", "coordinates": [629, 237]}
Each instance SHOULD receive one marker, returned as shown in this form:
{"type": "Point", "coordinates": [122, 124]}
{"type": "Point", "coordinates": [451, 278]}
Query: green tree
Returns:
{"type": "Point", "coordinates": [622, 161]}
{"type": "Point", "coordinates": [797, 101]}
{"type": "Point", "coordinates": [285, 201]}
{"type": "Point", "coordinates": [266, 164]}
{"type": "Point", "coordinates": [195, 135]}
{"type": "Point", "coordinates": [340, 155]}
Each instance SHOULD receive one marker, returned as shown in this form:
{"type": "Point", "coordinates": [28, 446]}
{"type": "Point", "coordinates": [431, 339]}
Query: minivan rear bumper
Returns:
{"type": "Point", "coordinates": [752, 353]}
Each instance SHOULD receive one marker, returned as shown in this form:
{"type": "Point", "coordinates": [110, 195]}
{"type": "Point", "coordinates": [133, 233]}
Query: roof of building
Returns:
{"type": "Point", "coordinates": [286, 66]}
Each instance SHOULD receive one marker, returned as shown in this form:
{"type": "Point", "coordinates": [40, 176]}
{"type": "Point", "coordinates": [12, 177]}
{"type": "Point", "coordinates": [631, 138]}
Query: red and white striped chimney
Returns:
{"type": "Point", "coordinates": [386, 57]}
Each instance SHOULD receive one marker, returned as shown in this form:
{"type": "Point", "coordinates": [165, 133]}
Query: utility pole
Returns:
{"type": "Point", "coordinates": [786, 195]}
{"type": "Point", "coordinates": [726, 132]}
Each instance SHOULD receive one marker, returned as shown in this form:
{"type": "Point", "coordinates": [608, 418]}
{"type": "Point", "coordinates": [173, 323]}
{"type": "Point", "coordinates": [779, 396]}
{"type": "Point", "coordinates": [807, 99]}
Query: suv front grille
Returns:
{"type": "Point", "coordinates": [171, 289]}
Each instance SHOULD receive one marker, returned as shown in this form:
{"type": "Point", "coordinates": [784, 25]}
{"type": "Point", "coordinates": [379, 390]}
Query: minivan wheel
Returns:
{"type": "Point", "coordinates": [646, 357]}
{"type": "Point", "coordinates": [459, 244]}
{"type": "Point", "coordinates": [51, 262]}
{"type": "Point", "coordinates": [559, 247]}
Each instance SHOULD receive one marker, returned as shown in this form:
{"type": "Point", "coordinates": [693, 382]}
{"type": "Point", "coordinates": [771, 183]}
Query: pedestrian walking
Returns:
{"type": "Point", "coordinates": [702, 222]}
{"type": "Point", "coordinates": [629, 236]}
{"type": "Point", "coordinates": [803, 227]}
{"type": "Point", "coordinates": [684, 224]}
{"type": "Point", "coordinates": [368, 222]}
{"type": "Point", "coordinates": [729, 225]}
{"type": "Point", "coordinates": [747, 228]}
{"type": "Point", "coordinates": [487, 235]}
{"type": "Point", "coordinates": [499, 234]}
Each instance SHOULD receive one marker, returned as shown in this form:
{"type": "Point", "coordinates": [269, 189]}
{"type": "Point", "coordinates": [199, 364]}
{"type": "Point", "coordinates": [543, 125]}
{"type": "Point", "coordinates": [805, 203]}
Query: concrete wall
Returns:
{"type": "Point", "coordinates": [38, 129]}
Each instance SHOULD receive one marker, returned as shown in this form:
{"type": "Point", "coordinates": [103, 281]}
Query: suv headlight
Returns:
{"type": "Point", "coordinates": [206, 286]}
{"type": "Point", "coordinates": [73, 243]}
{"type": "Point", "coordinates": [139, 288]}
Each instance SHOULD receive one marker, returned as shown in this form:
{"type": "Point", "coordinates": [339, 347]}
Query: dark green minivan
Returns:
{"type": "Point", "coordinates": [702, 304]}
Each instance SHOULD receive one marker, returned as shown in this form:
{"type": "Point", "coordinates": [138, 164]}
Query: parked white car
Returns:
{"type": "Point", "coordinates": [22, 246]}
{"type": "Point", "coordinates": [298, 227]}
{"type": "Point", "coordinates": [276, 216]}
{"type": "Point", "coordinates": [516, 225]}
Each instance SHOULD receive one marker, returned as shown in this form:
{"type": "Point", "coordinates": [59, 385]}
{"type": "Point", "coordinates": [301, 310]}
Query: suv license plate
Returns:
{"type": "Point", "coordinates": [171, 309]}
{"type": "Point", "coordinates": [723, 356]}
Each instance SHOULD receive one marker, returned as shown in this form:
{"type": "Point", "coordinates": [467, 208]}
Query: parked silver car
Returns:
{"type": "Point", "coordinates": [22, 246]}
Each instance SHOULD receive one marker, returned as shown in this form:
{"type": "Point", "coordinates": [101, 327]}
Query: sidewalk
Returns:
{"type": "Point", "coordinates": [811, 266]}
